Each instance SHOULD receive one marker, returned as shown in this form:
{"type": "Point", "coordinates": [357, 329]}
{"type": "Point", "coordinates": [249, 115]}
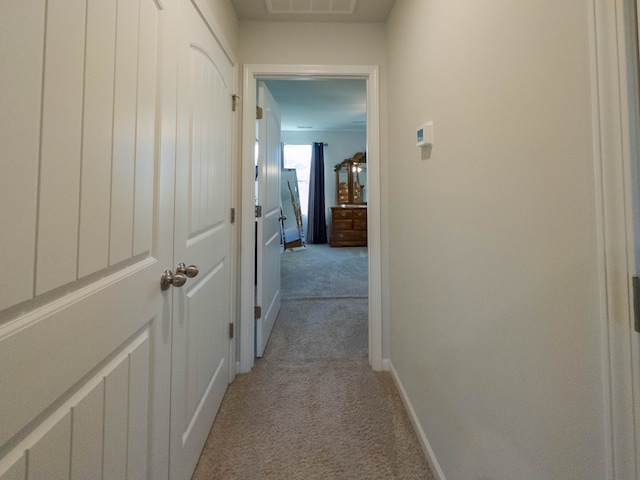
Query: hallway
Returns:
{"type": "Point", "coordinates": [312, 407]}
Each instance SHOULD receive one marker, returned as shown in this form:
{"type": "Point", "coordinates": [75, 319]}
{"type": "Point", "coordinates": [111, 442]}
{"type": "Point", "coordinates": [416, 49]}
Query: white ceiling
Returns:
{"type": "Point", "coordinates": [314, 105]}
{"type": "Point", "coordinates": [375, 11]}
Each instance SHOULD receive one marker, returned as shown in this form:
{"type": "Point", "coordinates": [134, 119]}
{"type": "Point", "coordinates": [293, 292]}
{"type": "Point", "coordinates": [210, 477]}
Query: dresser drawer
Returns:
{"type": "Point", "coordinates": [359, 213]}
{"type": "Point", "coordinates": [342, 224]}
{"type": "Point", "coordinates": [359, 224]}
{"type": "Point", "coordinates": [349, 236]}
{"type": "Point", "coordinates": [341, 213]}
{"type": "Point", "coordinates": [349, 226]}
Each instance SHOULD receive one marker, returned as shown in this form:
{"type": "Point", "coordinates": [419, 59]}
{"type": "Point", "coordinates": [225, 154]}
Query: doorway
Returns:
{"type": "Point", "coordinates": [251, 74]}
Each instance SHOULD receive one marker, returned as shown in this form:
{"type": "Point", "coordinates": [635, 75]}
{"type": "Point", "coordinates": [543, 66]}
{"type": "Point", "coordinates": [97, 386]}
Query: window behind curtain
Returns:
{"type": "Point", "coordinates": [299, 157]}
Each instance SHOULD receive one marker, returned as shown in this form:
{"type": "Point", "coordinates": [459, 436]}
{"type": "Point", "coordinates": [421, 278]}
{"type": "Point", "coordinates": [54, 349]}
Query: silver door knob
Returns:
{"type": "Point", "coordinates": [190, 271]}
{"type": "Point", "coordinates": [169, 279]}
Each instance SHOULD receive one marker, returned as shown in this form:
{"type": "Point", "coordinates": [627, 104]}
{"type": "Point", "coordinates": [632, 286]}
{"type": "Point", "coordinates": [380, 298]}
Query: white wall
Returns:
{"type": "Point", "coordinates": [312, 43]}
{"type": "Point", "coordinates": [493, 274]}
{"type": "Point", "coordinates": [226, 20]}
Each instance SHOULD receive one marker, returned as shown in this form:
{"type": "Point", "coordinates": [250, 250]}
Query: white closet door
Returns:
{"type": "Point", "coordinates": [201, 343]}
{"type": "Point", "coordinates": [83, 322]}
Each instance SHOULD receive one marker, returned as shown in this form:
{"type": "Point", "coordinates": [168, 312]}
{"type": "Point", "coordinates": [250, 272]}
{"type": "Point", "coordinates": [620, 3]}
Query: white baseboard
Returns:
{"type": "Point", "coordinates": [422, 438]}
{"type": "Point", "coordinates": [385, 364]}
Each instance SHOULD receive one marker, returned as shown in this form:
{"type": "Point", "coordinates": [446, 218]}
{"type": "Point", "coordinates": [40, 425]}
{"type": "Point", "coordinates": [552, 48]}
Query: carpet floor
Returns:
{"type": "Point", "coordinates": [312, 408]}
{"type": "Point", "coordinates": [320, 271]}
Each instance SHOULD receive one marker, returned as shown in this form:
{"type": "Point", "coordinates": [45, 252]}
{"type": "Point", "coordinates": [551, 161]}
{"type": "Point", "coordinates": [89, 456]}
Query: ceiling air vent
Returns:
{"type": "Point", "coordinates": [311, 6]}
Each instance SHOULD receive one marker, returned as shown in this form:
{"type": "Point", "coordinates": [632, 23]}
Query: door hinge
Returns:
{"type": "Point", "coordinates": [231, 330]}
{"type": "Point", "coordinates": [234, 102]}
{"type": "Point", "coordinates": [233, 215]}
{"type": "Point", "coordinates": [257, 312]}
{"type": "Point", "coordinates": [258, 113]}
{"type": "Point", "coordinates": [258, 211]}
{"type": "Point", "coordinates": [636, 303]}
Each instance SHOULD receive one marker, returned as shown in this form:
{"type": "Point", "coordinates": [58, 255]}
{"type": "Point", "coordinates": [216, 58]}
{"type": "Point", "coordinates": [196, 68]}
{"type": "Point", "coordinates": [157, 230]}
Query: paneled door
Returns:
{"type": "Point", "coordinates": [86, 201]}
{"type": "Point", "coordinates": [269, 246]}
{"type": "Point", "coordinates": [201, 342]}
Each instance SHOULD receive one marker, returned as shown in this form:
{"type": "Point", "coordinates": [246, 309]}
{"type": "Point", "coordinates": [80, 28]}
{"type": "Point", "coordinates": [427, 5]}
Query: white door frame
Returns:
{"type": "Point", "coordinates": [613, 60]}
{"type": "Point", "coordinates": [251, 73]}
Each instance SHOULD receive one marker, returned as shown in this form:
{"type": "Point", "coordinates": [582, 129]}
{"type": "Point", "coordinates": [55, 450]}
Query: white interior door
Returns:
{"type": "Point", "coordinates": [83, 323]}
{"type": "Point", "coordinates": [201, 344]}
{"type": "Point", "coordinates": [268, 235]}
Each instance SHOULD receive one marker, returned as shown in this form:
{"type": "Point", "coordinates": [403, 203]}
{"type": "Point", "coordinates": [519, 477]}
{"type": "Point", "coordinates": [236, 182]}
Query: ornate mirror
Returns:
{"type": "Point", "coordinates": [351, 180]}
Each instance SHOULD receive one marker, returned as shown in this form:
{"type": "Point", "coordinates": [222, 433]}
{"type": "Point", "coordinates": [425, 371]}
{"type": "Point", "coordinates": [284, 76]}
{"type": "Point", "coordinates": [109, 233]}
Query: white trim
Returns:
{"type": "Point", "coordinates": [611, 123]}
{"type": "Point", "coordinates": [422, 437]}
{"type": "Point", "coordinates": [386, 364]}
{"type": "Point", "coordinates": [371, 75]}
{"type": "Point", "coordinates": [235, 231]}
{"type": "Point", "coordinates": [374, 213]}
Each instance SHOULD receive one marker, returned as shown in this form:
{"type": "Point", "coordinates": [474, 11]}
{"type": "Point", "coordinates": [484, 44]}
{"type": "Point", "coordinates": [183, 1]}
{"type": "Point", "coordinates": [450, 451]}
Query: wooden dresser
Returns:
{"type": "Point", "coordinates": [349, 226]}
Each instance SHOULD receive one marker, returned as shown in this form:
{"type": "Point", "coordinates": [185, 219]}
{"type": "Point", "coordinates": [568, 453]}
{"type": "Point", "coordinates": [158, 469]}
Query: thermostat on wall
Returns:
{"type": "Point", "coordinates": [424, 135]}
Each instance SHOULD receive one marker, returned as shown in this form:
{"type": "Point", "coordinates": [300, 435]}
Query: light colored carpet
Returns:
{"type": "Point", "coordinates": [322, 271]}
{"type": "Point", "coordinates": [312, 408]}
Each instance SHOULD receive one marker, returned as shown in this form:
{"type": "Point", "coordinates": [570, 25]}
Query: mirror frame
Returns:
{"type": "Point", "coordinates": [348, 165]}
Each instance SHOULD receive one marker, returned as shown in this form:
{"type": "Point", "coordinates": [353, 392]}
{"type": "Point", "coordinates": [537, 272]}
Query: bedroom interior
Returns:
{"type": "Point", "coordinates": [331, 112]}
{"type": "Point", "coordinates": [321, 123]}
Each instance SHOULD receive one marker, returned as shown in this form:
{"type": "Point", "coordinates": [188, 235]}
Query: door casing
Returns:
{"type": "Point", "coordinates": [251, 74]}
{"type": "Point", "coordinates": [612, 62]}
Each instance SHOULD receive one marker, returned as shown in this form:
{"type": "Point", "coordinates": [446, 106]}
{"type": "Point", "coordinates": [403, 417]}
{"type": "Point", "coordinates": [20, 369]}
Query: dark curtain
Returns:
{"type": "Point", "coordinates": [316, 222]}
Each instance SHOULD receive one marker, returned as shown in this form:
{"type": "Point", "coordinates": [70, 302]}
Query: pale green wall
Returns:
{"type": "Point", "coordinates": [495, 329]}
